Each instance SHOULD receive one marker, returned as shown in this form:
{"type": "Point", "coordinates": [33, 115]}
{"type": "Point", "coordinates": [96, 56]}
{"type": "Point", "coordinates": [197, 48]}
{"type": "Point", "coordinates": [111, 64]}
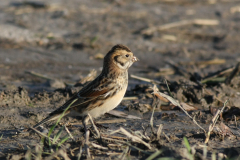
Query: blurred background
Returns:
{"type": "Point", "coordinates": [66, 39]}
{"type": "Point", "coordinates": [48, 45]}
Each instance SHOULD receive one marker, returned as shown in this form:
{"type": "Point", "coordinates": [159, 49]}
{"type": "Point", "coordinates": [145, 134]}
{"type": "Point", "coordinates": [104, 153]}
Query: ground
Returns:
{"type": "Point", "coordinates": [49, 49]}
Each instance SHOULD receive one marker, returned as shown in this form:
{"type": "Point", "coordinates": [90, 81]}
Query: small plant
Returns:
{"type": "Point", "coordinates": [31, 105]}
{"type": "Point", "coordinates": [188, 147]}
{"type": "Point", "coordinates": [154, 155]}
{"type": "Point", "coordinates": [56, 139]}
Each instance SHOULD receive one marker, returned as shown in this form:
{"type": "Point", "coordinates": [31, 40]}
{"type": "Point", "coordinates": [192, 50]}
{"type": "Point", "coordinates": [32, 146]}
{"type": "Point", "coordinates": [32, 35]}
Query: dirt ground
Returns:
{"type": "Point", "coordinates": [49, 49]}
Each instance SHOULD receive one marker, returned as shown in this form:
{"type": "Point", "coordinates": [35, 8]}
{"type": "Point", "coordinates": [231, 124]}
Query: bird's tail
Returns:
{"type": "Point", "coordinates": [49, 118]}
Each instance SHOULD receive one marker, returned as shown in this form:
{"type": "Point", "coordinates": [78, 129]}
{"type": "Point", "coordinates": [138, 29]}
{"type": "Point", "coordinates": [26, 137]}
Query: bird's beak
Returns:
{"type": "Point", "coordinates": [135, 59]}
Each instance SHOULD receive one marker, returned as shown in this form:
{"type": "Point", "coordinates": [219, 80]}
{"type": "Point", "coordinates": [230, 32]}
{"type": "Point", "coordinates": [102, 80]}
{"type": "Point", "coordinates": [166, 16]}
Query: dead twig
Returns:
{"type": "Point", "coordinates": [219, 73]}
{"type": "Point", "coordinates": [123, 142]}
{"type": "Point", "coordinates": [94, 126]}
{"type": "Point", "coordinates": [80, 153]}
{"type": "Point", "coordinates": [98, 146]}
{"type": "Point", "coordinates": [162, 72]}
{"type": "Point", "coordinates": [150, 30]}
{"type": "Point", "coordinates": [69, 133]}
{"type": "Point", "coordinates": [169, 92]}
{"type": "Point", "coordinates": [187, 107]}
{"type": "Point", "coordinates": [141, 135]}
{"type": "Point", "coordinates": [209, 62]}
{"type": "Point", "coordinates": [151, 119]}
{"type": "Point", "coordinates": [87, 143]}
{"type": "Point", "coordinates": [162, 98]}
{"type": "Point", "coordinates": [116, 137]}
{"type": "Point", "coordinates": [176, 103]}
{"type": "Point", "coordinates": [111, 139]}
{"type": "Point", "coordinates": [132, 137]}
{"type": "Point", "coordinates": [235, 119]}
{"type": "Point", "coordinates": [145, 79]}
{"type": "Point", "coordinates": [156, 103]}
{"type": "Point", "coordinates": [219, 77]}
{"type": "Point", "coordinates": [130, 98]}
{"type": "Point", "coordinates": [123, 155]}
{"type": "Point", "coordinates": [159, 131]}
{"type": "Point", "coordinates": [39, 75]}
{"type": "Point", "coordinates": [167, 137]}
{"type": "Point", "coordinates": [214, 121]}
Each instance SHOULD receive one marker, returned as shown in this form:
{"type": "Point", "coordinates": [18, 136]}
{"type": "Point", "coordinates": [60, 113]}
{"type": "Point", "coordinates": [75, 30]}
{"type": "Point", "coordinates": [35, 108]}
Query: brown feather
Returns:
{"type": "Point", "coordinates": [105, 92]}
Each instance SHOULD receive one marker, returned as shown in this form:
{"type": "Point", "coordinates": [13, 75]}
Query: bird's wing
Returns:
{"type": "Point", "coordinates": [90, 92]}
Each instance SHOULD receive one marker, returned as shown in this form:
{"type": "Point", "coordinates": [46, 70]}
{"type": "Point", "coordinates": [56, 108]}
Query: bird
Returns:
{"type": "Point", "coordinates": [102, 94]}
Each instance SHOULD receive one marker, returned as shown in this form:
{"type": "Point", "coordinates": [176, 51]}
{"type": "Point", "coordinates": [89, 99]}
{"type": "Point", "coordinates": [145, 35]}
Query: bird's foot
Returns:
{"type": "Point", "coordinates": [94, 126]}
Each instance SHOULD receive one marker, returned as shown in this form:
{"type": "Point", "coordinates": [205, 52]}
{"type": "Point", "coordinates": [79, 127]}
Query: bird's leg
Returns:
{"type": "Point", "coordinates": [69, 133]}
{"type": "Point", "coordinates": [85, 122]}
{"type": "Point", "coordinates": [94, 126]}
{"type": "Point", "coordinates": [87, 143]}
{"type": "Point", "coordinates": [87, 133]}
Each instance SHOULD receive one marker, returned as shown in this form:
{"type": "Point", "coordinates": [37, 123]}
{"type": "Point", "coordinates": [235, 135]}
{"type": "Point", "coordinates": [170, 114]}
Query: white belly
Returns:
{"type": "Point", "coordinates": [108, 105]}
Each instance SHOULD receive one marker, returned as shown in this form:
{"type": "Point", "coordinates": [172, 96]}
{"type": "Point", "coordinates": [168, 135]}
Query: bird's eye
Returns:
{"type": "Point", "coordinates": [127, 55]}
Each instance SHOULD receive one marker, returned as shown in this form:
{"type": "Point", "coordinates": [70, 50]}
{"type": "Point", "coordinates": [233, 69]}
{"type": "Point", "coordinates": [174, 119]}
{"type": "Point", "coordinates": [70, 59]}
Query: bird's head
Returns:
{"type": "Point", "coordinates": [120, 56]}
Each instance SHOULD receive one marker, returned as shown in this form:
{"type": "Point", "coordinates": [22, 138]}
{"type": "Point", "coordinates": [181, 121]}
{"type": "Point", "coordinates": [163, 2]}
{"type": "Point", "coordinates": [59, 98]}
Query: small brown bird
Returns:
{"type": "Point", "coordinates": [102, 94]}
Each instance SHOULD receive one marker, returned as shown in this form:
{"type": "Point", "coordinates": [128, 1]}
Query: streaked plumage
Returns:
{"type": "Point", "coordinates": [105, 92]}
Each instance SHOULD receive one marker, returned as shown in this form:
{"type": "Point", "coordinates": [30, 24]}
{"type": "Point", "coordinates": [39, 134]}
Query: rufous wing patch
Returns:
{"type": "Point", "coordinates": [94, 93]}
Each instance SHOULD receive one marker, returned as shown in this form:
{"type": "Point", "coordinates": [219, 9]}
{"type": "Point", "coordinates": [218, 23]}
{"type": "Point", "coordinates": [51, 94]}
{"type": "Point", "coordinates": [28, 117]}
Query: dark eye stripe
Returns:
{"type": "Point", "coordinates": [122, 64]}
{"type": "Point", "coordinates": [116, 59]}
